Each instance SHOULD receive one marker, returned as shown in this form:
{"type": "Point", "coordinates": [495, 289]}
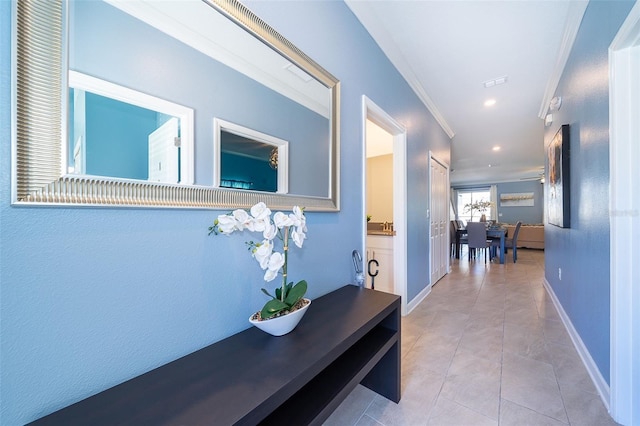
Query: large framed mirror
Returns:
{"type": "Point", "coordinates": [200, 62]}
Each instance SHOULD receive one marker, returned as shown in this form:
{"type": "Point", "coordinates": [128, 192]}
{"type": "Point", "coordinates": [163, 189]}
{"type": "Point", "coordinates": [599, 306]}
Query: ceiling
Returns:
{"type": "Point", "coordinates": [198, 25]}
{"type": "Point", "coordinates": [447, 50]}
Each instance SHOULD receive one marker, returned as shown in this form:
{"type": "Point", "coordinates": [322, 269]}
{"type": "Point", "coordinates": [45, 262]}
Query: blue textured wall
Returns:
{"type": "Point", "coordinates": [582, 251]}
{"type": "Point", "coordinates": [93, 296]}
{"type": "Point", "coordinates": [532, 214]}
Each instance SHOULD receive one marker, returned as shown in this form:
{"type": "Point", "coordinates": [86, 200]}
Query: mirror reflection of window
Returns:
{"type": "Point", "coordinates": [118, 132]}
{"type": "Point", "coordinates": [117, 139]}
{"type": "Point", "coordinates": [249, 159]}
{"type": "Point", "coordinates": [245, 164]}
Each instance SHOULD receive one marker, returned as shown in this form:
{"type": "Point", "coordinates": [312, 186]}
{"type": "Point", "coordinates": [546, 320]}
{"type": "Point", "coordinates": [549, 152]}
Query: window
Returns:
{"type": "Point", "coordinates": [468, 197]}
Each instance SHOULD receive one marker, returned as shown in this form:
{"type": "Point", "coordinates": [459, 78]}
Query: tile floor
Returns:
{"type": "Point", "coordinates": [486, 347]}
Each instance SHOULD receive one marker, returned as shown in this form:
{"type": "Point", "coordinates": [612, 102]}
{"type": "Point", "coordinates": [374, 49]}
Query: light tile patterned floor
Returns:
{"type": "Point", "coordinates": [486, 347]}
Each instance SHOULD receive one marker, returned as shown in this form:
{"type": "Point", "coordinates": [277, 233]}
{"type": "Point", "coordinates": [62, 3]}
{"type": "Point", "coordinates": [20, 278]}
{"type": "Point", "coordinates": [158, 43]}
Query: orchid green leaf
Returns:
{"type": "Point", "coordinates": [267, 293]}
{"type": "Point", "coordinates": [296, 293]}
{"type": "Point", "coordinates": [272, 307]}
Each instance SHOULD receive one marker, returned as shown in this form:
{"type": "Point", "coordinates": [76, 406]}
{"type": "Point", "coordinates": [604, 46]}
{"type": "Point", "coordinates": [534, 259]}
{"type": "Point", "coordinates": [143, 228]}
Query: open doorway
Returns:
{"type": "Point", "coordinates": [393, 134]}
{"type": "Point", "coordinates": [379, 208]}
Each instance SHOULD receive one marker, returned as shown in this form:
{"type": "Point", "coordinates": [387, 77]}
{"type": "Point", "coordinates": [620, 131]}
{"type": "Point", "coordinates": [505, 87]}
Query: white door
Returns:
{"type": "Point", "coordinates": [439, 220]}
{"type": "Point", "coordinates": [163, 153]}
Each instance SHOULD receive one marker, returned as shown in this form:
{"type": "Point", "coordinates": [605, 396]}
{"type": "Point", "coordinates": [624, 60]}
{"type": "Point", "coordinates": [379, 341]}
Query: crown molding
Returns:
{"type": "Point", "coordinates": [364, 14]}
{"type": "Point", "coordinates": [428, 102]}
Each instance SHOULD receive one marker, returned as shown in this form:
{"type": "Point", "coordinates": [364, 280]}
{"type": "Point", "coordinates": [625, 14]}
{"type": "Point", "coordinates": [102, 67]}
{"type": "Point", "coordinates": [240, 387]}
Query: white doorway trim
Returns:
{"type": "Point", "coordinates": [624, 213]}
{"type": "Point", "coordinates": [377, 115]}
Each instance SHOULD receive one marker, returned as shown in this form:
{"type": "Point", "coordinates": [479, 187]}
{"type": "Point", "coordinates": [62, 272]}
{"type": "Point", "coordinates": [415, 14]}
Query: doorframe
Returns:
{"type": "Point", "coordinates": [624, 213]}
{"type": "Point", "coordinates": [377, 115]}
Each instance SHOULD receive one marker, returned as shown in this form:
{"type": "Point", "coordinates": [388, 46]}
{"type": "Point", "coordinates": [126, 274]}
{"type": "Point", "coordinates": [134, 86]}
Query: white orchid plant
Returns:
{"type": "Point", "coordinates": [282, 226]}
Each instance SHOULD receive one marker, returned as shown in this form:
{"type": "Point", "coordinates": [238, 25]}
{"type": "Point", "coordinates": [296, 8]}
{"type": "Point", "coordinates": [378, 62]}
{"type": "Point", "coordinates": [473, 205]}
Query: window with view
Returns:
{"type": "Point", "coordinates": [468, 201]}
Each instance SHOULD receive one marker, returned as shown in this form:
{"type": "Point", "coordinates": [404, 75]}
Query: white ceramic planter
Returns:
{"type": "Point", "coordinates": [281, 325]}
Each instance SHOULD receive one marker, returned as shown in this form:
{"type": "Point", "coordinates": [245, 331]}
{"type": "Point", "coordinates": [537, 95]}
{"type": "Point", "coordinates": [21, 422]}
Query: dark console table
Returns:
{"type": "Point", "coordinates": [349, 336]}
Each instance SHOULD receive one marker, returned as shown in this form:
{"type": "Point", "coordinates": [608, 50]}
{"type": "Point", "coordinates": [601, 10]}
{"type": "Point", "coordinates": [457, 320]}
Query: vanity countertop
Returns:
{"type": "Point", "coordinates": [383, 233]}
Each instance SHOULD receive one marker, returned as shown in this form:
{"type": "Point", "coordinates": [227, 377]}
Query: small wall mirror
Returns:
{"type": "Point", "coordinates": [180, 64]}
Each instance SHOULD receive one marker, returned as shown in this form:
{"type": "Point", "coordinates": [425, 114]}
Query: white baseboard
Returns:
{"type": "Point", "coordinates": [419, 298]}
{"type": "Point", "coordinates": [598, 381]}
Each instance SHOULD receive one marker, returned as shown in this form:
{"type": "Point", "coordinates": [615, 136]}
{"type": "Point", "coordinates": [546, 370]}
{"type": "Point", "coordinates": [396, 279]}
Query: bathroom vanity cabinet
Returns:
{"type": "Point", "coordinates": [380, 248]}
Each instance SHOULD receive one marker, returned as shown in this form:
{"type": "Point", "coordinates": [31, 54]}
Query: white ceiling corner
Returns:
{"type": "Point", "coordinates": [445, 50]}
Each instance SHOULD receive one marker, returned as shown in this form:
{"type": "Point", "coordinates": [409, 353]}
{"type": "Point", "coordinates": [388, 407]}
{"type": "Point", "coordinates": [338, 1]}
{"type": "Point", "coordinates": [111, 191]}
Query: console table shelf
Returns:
{"type": "Point", "coordinates": [349, 336]}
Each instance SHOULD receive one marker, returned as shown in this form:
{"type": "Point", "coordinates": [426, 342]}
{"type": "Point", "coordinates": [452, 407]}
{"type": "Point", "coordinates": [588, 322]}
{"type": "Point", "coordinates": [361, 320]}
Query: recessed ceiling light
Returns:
{"type": "Point", "coordinates": [489, 102]}
{"type": "Point", "coordinates": [496, 148]}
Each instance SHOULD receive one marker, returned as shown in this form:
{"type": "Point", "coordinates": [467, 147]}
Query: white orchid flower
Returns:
{"type": "Point", "coordinates": [298, 236]}
{"type": "Point", "coordinates": [227, 224]}
{"type": "Point", "coordinates": [270, 232]}
{"type": "Point", "coordinates": [250, 224]}
{"type": "Point", "coordinates": [297, 217]}
{"type": "Point", "coordinates": [262, 253]}
{"type": "Point", "coordinates": [259, 225]}
{"type": "Point", "coordinates": [260, 211]}
{"type": "Point", "coordinates": [282, 220]}
{"type": "Point", "coordinates": [298, 211]}
{"type": "Point", "coordinates": [258, 219]}
{"type": "Point", "coordinates": [270, 275]}
{"type": "Point", "coordinates": [294, 220]}
{"type": "Point", "coordinates": [242, 218]}
{"type": "Point", "coordinates": [276, 261]}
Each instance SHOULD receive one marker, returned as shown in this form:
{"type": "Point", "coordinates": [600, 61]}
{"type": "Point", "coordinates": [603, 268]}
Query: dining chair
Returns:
{"type": "Point", "coordinates": [512, 243]}
{"type": "Point", "coordinates": [453, 228]}
{"type": "Point", "coordinates": [458, 230]}
{"type": "Point", "coordinates": [477, 238]}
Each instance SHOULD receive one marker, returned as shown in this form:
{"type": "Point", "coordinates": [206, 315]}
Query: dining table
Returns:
{"type": "Point", "coordinates": [493, 231]}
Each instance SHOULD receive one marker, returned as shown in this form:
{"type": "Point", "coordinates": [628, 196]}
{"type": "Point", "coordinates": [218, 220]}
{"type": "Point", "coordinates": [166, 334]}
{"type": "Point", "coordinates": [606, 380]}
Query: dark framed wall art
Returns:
{"type": "Point", "coordinates": [558, 209]}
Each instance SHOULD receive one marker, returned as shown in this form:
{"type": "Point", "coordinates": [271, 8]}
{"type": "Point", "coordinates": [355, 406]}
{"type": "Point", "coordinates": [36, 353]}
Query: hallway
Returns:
{"type": "Point", "coordinates": [486, 347]}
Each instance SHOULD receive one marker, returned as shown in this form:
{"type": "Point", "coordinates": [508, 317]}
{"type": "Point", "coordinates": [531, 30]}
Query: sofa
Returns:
{"type": "Point", "coordinates": [530, 236]}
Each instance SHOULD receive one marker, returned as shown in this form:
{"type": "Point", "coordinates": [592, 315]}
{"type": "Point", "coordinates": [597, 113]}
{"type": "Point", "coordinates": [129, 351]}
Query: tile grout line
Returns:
{"type": "Point", "coordinates": [475, 294]}
{"type": "Point", "coordinates": [446, 374]}
{"type": "Point", "coordinates": [504, 320]}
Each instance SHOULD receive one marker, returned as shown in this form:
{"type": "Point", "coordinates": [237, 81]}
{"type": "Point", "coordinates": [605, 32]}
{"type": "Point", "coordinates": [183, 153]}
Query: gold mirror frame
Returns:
{"type": "Point", "coordinates": [39, 124]}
